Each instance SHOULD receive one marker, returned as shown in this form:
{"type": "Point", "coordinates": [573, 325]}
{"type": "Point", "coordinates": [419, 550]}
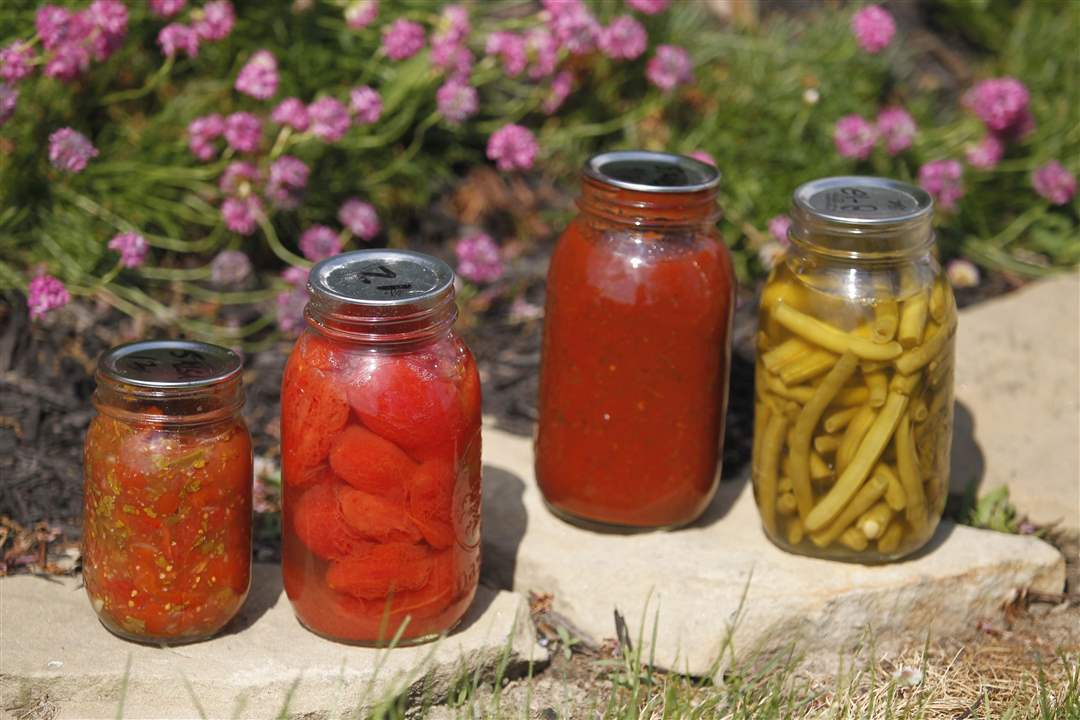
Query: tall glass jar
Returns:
{"type": "Point", "coordinates": [380, 442]}
{"type": "Point", "coordinates": [167, 492]}
{"type": "Point", "coordinates": [633, 382]}
{"type": "Point", "coordinates": [854, 383]}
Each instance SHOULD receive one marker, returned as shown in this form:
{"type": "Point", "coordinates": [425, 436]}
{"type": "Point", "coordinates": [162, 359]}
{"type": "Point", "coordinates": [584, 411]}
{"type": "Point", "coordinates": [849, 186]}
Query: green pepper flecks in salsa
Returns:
{"type": "Point", "coordinates": [167, 537]}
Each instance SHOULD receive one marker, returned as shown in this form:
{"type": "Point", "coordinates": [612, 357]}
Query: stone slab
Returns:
{"type": "Point", "coordinates": [692, 581]}
{"type": "Point", "coordinates": [1018, 399]}
{"type": "Point", "coordinates": [56, 656]}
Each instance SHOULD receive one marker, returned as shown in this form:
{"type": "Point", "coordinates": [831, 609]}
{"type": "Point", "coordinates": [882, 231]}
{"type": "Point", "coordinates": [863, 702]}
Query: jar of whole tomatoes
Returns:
{"type": "Point", "coordinates": [167, 492]}
{"type": "Point", "coordinates": [380, 444]}
{"type": "Point", "coordinates": [636, 348]}
{"type": "Point", "coordinates": [854, 379]}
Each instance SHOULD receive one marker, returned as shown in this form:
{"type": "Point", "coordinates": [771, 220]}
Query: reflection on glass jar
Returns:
{"type": "Point", "coordinates": [167, 492]}
{"type": "Point", "coordinates": [854, 378]}
{"type": "Point", "coordinates": [380, 423]}
{"type": "Point", "coordinates": [633, 382]}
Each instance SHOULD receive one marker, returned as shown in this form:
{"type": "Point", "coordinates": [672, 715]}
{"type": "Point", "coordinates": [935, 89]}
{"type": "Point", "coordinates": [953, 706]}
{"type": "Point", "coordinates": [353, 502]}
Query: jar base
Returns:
{"type": "Point", "coordinates": [156, 642]}
{"type": "Point", "coordinates": [599, 526]}
{"type": "Point", "coordinates": [375, 644]}
{"type": "Point", "coordinates": [866, 557]}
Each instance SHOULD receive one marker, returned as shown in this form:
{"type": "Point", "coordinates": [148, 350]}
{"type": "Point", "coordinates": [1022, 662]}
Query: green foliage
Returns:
{"type": "Point", "coordinates": [993, 511]}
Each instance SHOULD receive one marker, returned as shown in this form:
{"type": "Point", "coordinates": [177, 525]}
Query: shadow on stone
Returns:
{"type": "Point", "coordinates": [967, 464]}
{"type": "Point", "coordinates": [266, 590]}
{"type": "Point", "coordinates": [504, 523]}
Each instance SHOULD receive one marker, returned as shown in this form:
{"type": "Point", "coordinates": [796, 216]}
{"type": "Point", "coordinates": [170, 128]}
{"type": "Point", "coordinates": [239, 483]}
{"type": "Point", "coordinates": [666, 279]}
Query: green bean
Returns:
{"type": "Point", "coordinates": [913, 320]}
{"type": "Point", "coordinates": [936, 340]}
{"type": "Point", "coordinates": [856, 431]}
{"type": "Point", "coordinates": [907, 465]}
{"type": "Point", "coordinates": [886, 320]}
{"type": "Point", "coordinates": [832, 338]}
{"type": "Point", "coordinates": [874, 521]}
{"type": "Point", "coordinates": [770, 461]}
{"type": "Point", "coordinates": [890, 540]}
{"type": "Point", "coordinates": [864, 499]}
{"type": "Point", "coordinates": [839, 419]}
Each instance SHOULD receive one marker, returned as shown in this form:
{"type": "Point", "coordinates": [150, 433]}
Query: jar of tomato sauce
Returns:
{"type": "Point", "coordinates": [167, 492]}
{"type": "Point", "coordinates": [633, 380]}
{"type": "Point", "coordinates": [854, 379]}
{"type": "Point", "coordinates": [380, 444]}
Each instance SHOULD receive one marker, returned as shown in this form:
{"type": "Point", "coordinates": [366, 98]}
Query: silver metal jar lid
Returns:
{"type": "Point", "coordinates": [652, 172]}
{"type": "Point", "coordinates": [387, 281]}
{"type": "Point", "coordinates": [861, 200]}
{"type": "Point", "coordinates": [170, 364]}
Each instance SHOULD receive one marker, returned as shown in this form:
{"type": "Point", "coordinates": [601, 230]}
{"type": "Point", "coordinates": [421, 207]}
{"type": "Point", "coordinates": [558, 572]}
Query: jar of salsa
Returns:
{"type": "Point", "coordinates": [167, 492]}
{"type": "Point", "coordinates": [380, 444]}
{"type": "Point", "coordinates": [633, 382]}
{"type": "Point", "coordinates": [854, 377]}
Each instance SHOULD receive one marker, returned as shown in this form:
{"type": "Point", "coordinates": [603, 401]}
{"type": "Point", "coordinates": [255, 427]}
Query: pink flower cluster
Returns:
{"type": "Point", "coordinates": [70, 150]}
{"type": "Point", "coordinates": [402, 39]}
{"type": "Point", "coordinates": [319, 242]}
{"type": "Point", "coordinates": [361, 13]}
{"type": "Point", "coordinates": [623, 39]}
{"type": "Point", "coordinates": [449, 52]}
{"type": "Point", "coordinates": [230, 267]}
{"type": "Point", "coordinates": [1003, 106]}
{"type": "Point", "coordinates": [290, 304]}
{"type": "Point", "coordinates": [855, 137]}
{"type": "Point", "coordinates": [943, 179]}
{"type": "Point", "coordinates": [1056, 184]}
{"type": "Point", "coordinates": [259, 76]}
{"type": "Point", "coordinates": [211, 23]}
{"type": "Point", "coordinates": [44, 294]}
{"type": "Point", "coordinates": [669, 67]}
{"type": "Point", "coordinates": [457, 101]}
{"type": "Point", "coordinates": [478, 258]}
{"type": "Point", "coordinates": [9, 99]}
{"type": "Point", "coordinates": [873, 28]}
{"type": "Point", "coordinates": [649, 7]}
{"type": "Point", "coordinates": [132, 248]}
{"type": "Point", "coordinates": [359, 218]}
{"type": "Point", "coordinates": [512, 147]}
{"type": "Point", "coordinates": [573, 26]}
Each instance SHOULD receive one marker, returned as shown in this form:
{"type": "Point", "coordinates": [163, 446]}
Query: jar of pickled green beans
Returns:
{"type": "Point", "coordinates": [854, 378]}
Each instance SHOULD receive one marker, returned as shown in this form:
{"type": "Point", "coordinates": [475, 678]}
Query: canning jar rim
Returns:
{"type": "Point", "coordinates": [441, 278]}
{"type": "Point", "coordinates": [709, 176]}
{"type": "Point", "coordinates": [227, 366]}
{"type": "Point", "coordinates": [804, 194]}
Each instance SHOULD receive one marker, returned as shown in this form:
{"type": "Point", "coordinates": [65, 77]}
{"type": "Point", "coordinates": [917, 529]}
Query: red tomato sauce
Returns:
{"type": "Point", "coordinates": [381, 470]}
{"type": "Point", "coordinates": [167, 526]}
{"type": "Point", "coordinates": [633, 382]}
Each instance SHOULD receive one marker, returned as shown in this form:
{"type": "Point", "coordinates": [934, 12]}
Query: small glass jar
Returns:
{"type": "Point", "coordinates": [167, 492]}
{"type": "Point", "coordinates": [636, 347]}
{"type": "Point", "coordinates": [380, 443]}
{"type": "Point", "coordinates": [854, 378]}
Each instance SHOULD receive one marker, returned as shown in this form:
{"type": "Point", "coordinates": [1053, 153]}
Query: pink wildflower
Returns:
{"type": "Point", "coordinates": [896, 126]}
{"type": "Point", "coordinates": [238, 178]}
{"type": "Point", "coordinates": [319, 242]}
{"type": "Point", "coordinates": [873, 27]}
{"type": "Point", "coordinates": [215, 20]}
{"type": "Point", "coordinates": [202, 132]}
{"type": "Point", "coordinates": [292, 112]}
{"type": "Point", "coordinates": [176, 37]}
{"type": "Point", "coordinates": [360, 14]}
{"type": "Point", "coordinates": [365, 104]}
{"type": "Point", "coordinates": [962, 273]}
{"type": "Point", "coordinates": [259, 77]}
{"type": "Point", "coordinates": [987, 153]}
{"type": "Point", "coordinates": [359, 218]}
{"type": "Point", "coordinates": [290, 310]}
{"type": "Point", "coordinates": [702, 156]}
{"type": "Point", "coordinates": [999, 102]}
{"type": "Point", "coordinates": [452, 57]}
{"type": "Point", "coordinates": [454, 24]}
{"type": "Point", "coordinates": [229, 267]}
{"type": "Point", "coordinates": [9, 99]}
{"type": "Point", "coordinates": [561, 87]}
{"type": "Point", "coordinates": [67, 62]}
{"type": "Point", "coordinates": [669, 66]}
{"type": "Point", "coordinates": [242, 213]}
{"type": "Point", "coordinates": [512, 147]}
{"type": "Point", "coordinates": [243, 132]}
{"type": "Point", "coordinates": [70, 150]}
{"type": "Point", "coordinates": [624, 39]}
{"type": "Point", "coordinates": [109, 16]}
{"type": "Point", "coordinates": [457, 101]}
{"type": "Point", "coordinates": [295, 276]}
{"type": "Point", "coordinates": [46, 294]}
{"type": "Point", "coordinates": [1020, 129]}
{"type": "Point", "coordinates": [573, 25]}
{"type": "Point", "coordinates": [132, 248]}
{"type": "Point", "coordinates": [478, 258]}
{"type": "Point", "coordinates": [58, 27]}
{"type": "Point", "coordinates": [854, 137]}
{"type": "Point", "coordinates": [543, 51]}
{"type": "Point", "coordinates": [288, 176]}
{"type": "Point", "coordinates": [943, 179]}
{"type": "Point", "coordinates": [510, 49]}
{"type": "Point", "coordinates": [648, 7]}
{"type": "Point", "coordinates": [1054, 183]}
{"type": "Point", "coordinates": [402, 39]}
{"type": "Point", "coordinates": [15, 61]}
{"type": "Point", "coordinates": [779, 226]}
{"type": "Point", "coordinates": [166, 8]}
{"type": "Point", "coordinates": [329, 119]}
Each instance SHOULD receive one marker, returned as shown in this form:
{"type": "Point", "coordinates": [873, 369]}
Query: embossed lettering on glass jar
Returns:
{"type": "Point", "coordinates": [380, 424]}
{"type": "Point", "coordinates": [636, 349]}
{"type": "Point", "coordinates": [167, 492]}
{"type": "Point", "coordinates": [854, 378]}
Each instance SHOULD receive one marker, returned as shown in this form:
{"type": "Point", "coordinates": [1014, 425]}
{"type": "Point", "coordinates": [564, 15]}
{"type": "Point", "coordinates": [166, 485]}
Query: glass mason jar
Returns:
{"type": "Point", "coordinates": [636, 348]}
{"type": "Point", "coordinates": [854, 378]}
{"type": "Point", "coordinates": [167, 492]}
{"type": "Point", "coordinates": [380, 442]}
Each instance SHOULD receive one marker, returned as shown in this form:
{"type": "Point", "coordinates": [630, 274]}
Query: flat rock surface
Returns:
{"type": "Point", "coordinates": [722, 573]}
{"type": "Point", "coordinates": [1018, 399]}
{"type": "Point", "coordinates": [57, 660]}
